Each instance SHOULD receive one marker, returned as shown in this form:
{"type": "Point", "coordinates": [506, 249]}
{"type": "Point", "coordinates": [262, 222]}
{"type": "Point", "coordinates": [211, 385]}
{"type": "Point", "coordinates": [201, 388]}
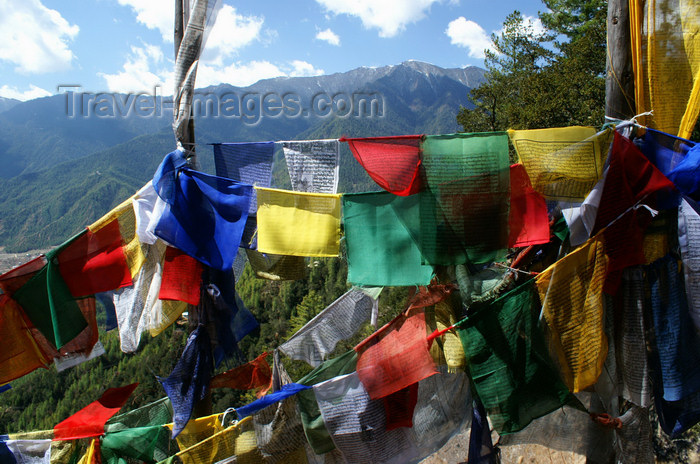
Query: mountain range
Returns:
{"type": "Point", "coordinates": [69, 158]}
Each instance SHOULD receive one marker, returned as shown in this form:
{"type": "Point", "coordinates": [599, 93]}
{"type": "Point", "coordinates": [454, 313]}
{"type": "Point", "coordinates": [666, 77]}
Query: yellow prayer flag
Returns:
{"type": "Point", "coordinates": [571, 291]}
{"type": "Point", "coordinates": [92, 456]}
{"type": "Point", "coordinates": [124, 213]}
{"type": "Point", "coordinates": [298, 223]}
{"type": "Point", "coordinates": [666, 63]}
{"type": "Point", "coordinates": [563, 163]}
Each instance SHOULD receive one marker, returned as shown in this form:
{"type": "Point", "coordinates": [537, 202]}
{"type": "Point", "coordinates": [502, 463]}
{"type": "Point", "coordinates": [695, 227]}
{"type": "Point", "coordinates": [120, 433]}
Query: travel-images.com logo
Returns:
{"type": "Point", "coordinates": [248, 107]}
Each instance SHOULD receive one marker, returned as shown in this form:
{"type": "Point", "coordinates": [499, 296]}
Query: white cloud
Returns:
{"type": "Point", "coordinates": [304, 69]}
{"type": "Point", "coordinates": [34, 37]}
{"type": "Point", "coordinates": [238, 74]}
{"type": "Point", "coordinates": [470, 35]}
{"type": "Point", "coordinates": [154, 14]}
{"type": "Point", "coordinates": [230, 33]}
{"type": "Point", "coordinates": [33, 92]}
{"type": "Point", "coordinates": [389, 16]}
{"type": "Point", "coordinates": [534, 24]}
{"type": "Point", "coordinates": [137, 74]}
{"type": "Point", "coordinates": [328, 36]}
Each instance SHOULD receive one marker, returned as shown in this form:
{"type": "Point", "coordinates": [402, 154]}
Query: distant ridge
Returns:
{"type": "Point", "coordinates": [59, 173]}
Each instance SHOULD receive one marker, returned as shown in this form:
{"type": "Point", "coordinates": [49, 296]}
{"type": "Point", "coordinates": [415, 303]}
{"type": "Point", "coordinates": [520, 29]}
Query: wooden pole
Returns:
{"type": "Point", "coordinates": [619, 81]}
{"type": "Point", "coordinates": [181, 18]}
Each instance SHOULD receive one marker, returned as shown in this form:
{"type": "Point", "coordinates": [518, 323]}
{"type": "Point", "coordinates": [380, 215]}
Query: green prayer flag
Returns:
{"type": "Point", "coordinates": [311, 418]}
{"type": "Point", "coordinates": [382, 233]}
{"type": "Point", "coordinates": [464, 212]}
{"type": "Point", "coordinates": [145, 444]}
{"type": "Point", "coordinates": [48, 303]}
{"type": "Point", "coordinates": [508, 361]}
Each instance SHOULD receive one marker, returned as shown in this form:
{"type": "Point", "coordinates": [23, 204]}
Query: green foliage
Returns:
{"type": "Point", "coordinates": [544, 79]}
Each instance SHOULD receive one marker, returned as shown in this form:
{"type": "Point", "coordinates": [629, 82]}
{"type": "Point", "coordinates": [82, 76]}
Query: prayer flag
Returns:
{"type": "Point", "coordinates": [571, 291]}
{"type": "Point", "coordinates": [339, 321]}
{"type": "Point", "coordinates": [206, 214]}
{"type": "Point", "coordinates": [90, 421]}
{"type": "Point", "coordinates": [254, 375]}
{"type": "Point", "coordinates": [311, 418]}
{"type": "Point", "coordinates": [14, 279]}
{"type": "Point", "coordinates": [286, 391]}
{"type": "Point", "coordinates": [49, 304]}
{"type": "Point", "coordinates": [94, 262]}
{"type": "Point", "coordinates": [508, 361]}
{"type": "Point", "coordinates": [464, 216]}
{"type": "Point", "coordinates": [182, 277]}
{"type": "Point", "coordinates": [394, 163]}
{"type": "Point", "coordinates": [382, 234]}
{"type": "Point", "coordinates": [563, 163]}
{"type": "Point", "coordinates": [276, 267]}
{"type": "Point", "coordinates": [631, 179]}
{"type": "Point", "coordinates": [20, 354]}
{"type": "Point", "coordinates": [298, 223]}
{"type": "Point", "coordinates": [528, 220]}
{"type": "Point", "coordinates": [396, 356]}
{"type": "Point", "coordinates": [312, 165]}
{"type": "Point", "coordinates": [357, 424]}
{"type": "Point", "coordinates": [689, 242]}
{"type": "Point", "coordinates": [188, 383]}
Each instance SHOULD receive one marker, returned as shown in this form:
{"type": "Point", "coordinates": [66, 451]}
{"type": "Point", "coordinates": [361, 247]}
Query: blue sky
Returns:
{"type": "Point", "coordinates": [126, 45]}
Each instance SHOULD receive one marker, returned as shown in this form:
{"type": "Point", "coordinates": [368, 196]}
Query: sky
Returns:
{"type": "Point", "coordinates": [127, 45]}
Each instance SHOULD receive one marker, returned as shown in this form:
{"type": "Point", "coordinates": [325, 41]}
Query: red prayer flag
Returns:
{"type": "Point", "coordinates": [13, 280]}
{"type": "Point", "coordinates": [392, 162]}
{"type": "Point", "coordinates": [396, 356]}
{"type": "Point", "coordinates": [631, 178]}
{"type": "Point", "coordinates": [528, 220]}
{"type": "Point", "coordinates": [90, 421]}
{"type": "Point", "coordinates": [182, 277]}
{"type": "Point", "coordinates": [94, 262]}
{"type": "Point", "coordinates": [253, 375]}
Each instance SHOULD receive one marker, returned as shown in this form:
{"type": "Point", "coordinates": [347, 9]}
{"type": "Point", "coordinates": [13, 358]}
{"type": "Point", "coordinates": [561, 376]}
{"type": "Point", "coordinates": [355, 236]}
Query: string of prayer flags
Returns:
{"type": "Point", "coordinates": [689, 242]}
{"type": "Point", "coordinates": [394, 163]}
{"type": "Point", "coordinates": [286, 391]}
{"type": "Point", "coordinates": [298, 223]}
{"type": "Point", "coordinates": [563, 163]}
{"type": "Point", "coordinates": [312, 165]}
{"type": "Point", "coordinates": [464, 218]}
{"type": "Point", "coordinates": [248, 162]}
{"type": "Point", "coordinates": [254, 375]}
{"type": "Point", "coordinates": [357, 424]}
{"type": "Point", "coordinates": [205, 215]}
{"type": "Point", "coordinates": [49, 304]}
{"type": "Point", "coordinates": [90, 421]}
{"type": "Point", "coordinates": [528, 221]}
{"type": "Point", "coordinates": [20, 354]}
{"type": "Point", "coordinates": [159, 412]}
{"type": "Point", "coordinates": [571, 291]}
{"type": "Point", "coordinates": [631, 178]}
{"type": "Point", "coordinates": [182, 277]}
{"type": "Point", "coordinates": [396, 356]}
{"type": "Point", "coordinates": [508, 361]}
{"type": "Point", "coordinates": [666, 64]}
{"type": "Point", "coordinates": [279, 433]}
{"type": "Point", "coordinates": [188, 383]}
{"type": "Point", "coordinates": [314, 428]}
{"type": "Point", "coordinates": [382, 235]}
{"type": "Point", "coordinates": [339, 321]}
